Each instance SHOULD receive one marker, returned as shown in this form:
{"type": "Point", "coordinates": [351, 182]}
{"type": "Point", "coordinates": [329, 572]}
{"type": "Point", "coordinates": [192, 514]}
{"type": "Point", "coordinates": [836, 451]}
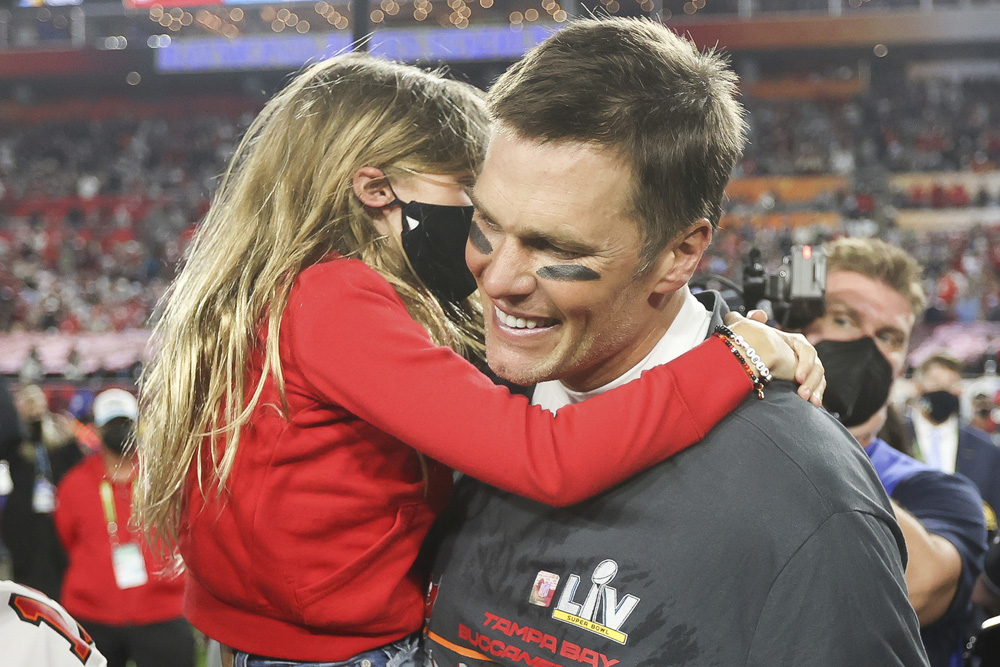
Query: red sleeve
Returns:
{"type": "Point", "coordinates": [352, 339]}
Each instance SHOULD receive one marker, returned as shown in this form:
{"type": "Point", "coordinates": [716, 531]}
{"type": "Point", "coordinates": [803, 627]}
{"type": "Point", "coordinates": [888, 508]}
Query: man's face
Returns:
{"type": "Point", "coordinates": [555, 257]}
{"type": "Point", "coordinates": [861, 307]}
{"type": "Point", "coordinates": [982, 405]}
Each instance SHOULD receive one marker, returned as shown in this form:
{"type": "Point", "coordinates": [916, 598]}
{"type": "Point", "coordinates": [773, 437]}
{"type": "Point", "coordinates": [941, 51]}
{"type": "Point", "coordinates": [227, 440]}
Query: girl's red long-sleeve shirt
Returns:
{"type": "Point", "coordinates": [309, 553]}
{"type": "Point", "coordinates": [89, 590]}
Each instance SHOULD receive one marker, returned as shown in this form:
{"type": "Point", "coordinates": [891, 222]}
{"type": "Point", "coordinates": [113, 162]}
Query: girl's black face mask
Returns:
{"type": "Point", "coordinates": [434, 240]}
{"type": "Point", "coordinates": [858, 378]}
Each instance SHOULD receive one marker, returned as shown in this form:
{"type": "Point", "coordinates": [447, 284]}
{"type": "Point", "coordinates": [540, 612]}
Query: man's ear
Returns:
{"type": "Point", "coordinates": [372, 188]}
{"type": "Point", "coordinates": [679, 260]}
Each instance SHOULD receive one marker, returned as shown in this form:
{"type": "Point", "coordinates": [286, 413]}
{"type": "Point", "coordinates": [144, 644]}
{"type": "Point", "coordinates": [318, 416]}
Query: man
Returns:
{"type": "Point", "coordinates": [769, 543]}
{"type": "Point", "coordinates": [873, 296]}
{"type": "Point", "coordinates": [983, 408]}
{"type": "Point", "coordinates": [943, 440]}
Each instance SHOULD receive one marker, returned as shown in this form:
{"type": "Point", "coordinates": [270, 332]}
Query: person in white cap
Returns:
{"type": "Point", "coordinates": [112, 584]}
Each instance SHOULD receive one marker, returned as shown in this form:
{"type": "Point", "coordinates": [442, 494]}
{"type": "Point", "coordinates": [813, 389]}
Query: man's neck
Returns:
{"type": "Point", "coordinates": [686, 324]}
{"type": "Point", "coordinates": [608, 372]}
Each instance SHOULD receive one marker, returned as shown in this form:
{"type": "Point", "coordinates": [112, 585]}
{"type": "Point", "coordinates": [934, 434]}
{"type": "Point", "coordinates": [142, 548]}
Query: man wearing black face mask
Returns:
{"type": "Point", "coordinates": [114, 585]}
{"type": "Point", "coordinates": [872, 300]}
{"type": "Point", "coordinates": [943, 440]}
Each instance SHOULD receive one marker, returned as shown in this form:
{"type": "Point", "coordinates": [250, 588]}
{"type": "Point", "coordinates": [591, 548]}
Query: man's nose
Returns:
{"type": "Point", "coordinates": [508, 273]}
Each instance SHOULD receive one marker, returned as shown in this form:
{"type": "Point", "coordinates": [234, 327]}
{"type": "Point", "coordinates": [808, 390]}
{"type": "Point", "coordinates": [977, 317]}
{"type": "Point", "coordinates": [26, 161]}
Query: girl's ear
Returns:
{"type": "Point", "coordinates": [372, 188]}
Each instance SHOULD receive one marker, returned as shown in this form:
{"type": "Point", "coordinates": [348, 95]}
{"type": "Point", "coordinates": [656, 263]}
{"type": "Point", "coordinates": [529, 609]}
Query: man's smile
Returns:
{"type": "Point", "coordinates": [523, 322]}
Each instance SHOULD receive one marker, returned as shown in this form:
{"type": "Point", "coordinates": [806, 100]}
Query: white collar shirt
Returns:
{"type": "Point", "coordinates": [938, 443]}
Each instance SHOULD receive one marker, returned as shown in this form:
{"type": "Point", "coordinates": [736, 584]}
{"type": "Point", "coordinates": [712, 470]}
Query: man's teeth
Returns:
{"type": "Point", "coordinates": [517, 322]}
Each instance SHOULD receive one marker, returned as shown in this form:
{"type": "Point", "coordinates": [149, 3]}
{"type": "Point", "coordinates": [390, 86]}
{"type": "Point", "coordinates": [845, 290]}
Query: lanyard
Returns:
{"type": "Point", "coordinates": [110, 515]}
{"type": "Point", "coordinates": [42, 460]}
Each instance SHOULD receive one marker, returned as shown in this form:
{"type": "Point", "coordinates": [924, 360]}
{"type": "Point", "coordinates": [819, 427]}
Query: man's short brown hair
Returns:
{"type": "Point", "coordinates": [650, 96]}
{"type": "Point", "coordinates": [879, 261]}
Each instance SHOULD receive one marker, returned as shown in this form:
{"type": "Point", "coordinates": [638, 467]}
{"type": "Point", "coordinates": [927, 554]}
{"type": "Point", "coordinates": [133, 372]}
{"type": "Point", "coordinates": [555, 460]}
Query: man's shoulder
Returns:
{"type": "Point", "coordinates": [809, 464]}
{"type": "Point", "coordinates": [938, 492]}
{"type": "Point", "coordinates": [801, 446]}
{"type": "Point", "coordinates": [971, 436]}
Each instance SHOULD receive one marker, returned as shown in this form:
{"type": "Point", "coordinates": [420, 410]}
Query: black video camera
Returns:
{"type": "Point", "coordinates": [795, 292]}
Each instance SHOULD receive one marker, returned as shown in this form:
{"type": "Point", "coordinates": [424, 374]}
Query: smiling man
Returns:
{"type": "Point", "coordinates": [769, 543]}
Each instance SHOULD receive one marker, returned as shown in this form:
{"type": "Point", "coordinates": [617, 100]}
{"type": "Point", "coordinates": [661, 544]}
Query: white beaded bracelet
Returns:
{"type": "Point", "coordinates": [762, 369]}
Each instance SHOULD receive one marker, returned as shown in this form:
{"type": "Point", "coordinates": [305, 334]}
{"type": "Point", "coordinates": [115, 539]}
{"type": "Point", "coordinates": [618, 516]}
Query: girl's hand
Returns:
{"type": "Point", "coordinates": [789, 356]}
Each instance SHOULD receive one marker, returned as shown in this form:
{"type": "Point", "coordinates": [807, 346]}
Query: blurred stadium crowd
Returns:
{"type": "Point", "coordinates": [95, 214]}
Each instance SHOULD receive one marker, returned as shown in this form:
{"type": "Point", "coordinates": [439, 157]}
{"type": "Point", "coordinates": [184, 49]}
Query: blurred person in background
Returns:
{"type": "Point", "coordinates": [114, 584]}
{"type": "Point", "coordinates": [943, 439]}
{"type": "Point", "coordinates": [873, 297]}
{"type": "Point", "coordinates": [80, 408]}
{"type": "Point", "coordinates": [32, 370]}
{"type": "Point", "coordinates": [984, 411]}
{"type": "Point", "coordinates": [38, 460]}
{"type": "Point", "coordinates": [307, 375]}
{"type": "Point", "coordinates": [10, 437]}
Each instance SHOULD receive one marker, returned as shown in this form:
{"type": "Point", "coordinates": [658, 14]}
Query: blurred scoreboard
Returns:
{"type": "Point", "coordinates": [291, 51]}
{"type": "Point", "coordinates": [146, 4]}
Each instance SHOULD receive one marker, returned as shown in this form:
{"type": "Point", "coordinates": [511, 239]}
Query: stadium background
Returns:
{"type": "Point", "coordinates": [869, 117]}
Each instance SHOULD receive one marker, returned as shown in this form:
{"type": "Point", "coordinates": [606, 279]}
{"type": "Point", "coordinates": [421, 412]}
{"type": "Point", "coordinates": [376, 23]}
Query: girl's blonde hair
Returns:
{"type": "Point", "coordinates": [285, 202]}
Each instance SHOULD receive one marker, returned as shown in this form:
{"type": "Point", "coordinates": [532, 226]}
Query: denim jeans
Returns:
{"type": "Point", "coordinates": [407, 652]}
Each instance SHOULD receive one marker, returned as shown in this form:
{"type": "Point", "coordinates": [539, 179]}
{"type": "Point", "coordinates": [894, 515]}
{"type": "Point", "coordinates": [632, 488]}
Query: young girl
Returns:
{"type": "Point", "coordinates": [307, 395]}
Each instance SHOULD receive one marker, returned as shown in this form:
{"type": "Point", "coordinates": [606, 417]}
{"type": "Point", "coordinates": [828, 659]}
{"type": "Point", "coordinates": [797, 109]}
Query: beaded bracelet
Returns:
{"type": "Point", "coordinates": [758, 384]}
{"type": "Point", "coordinates": [762, 369]}
{"type": "Point", "coordinates": [759, 379]}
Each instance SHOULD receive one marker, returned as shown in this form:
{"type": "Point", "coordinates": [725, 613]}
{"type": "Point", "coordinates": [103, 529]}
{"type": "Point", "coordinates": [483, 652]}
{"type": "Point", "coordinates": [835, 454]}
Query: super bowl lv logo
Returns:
{"type": "Point", "coordinates": [600, 611]}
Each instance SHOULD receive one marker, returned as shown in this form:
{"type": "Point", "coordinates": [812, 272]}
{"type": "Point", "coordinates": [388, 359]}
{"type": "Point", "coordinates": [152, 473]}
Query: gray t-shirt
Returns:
{"type": "Point", "coordinates": [770, 543]}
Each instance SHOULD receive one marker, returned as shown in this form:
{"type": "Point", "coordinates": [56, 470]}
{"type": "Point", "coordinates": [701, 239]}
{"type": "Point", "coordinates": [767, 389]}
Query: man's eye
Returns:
{"type": "Point", "coordinates": [562, 253]}
{"type": "Point", "coordinates": [891, 340]}
{"type": "Point", "coordinates": [486, 224]}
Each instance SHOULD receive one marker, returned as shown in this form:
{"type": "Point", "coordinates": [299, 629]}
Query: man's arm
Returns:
{"type": "Point", "coordinates": [942, 520]}
{"type": "Point", "coordinates": [933, 570]}
{"type": "Point", "coordinates": [986, 594]}
{"type": "Point", "coordinates": [840, 602]}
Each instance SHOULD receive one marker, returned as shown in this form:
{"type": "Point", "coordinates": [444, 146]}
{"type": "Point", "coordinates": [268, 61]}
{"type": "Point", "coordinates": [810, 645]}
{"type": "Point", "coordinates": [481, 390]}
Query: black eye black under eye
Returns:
{"type": "Point", "coordinates": [573, 272]}
{"type": "Point", "coordinates": [479, 240]}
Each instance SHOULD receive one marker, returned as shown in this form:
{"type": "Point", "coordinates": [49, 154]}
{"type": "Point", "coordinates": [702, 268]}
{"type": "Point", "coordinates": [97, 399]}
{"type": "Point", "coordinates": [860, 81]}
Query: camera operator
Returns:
{"type": "Point", "coordinates": [873, 296]}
